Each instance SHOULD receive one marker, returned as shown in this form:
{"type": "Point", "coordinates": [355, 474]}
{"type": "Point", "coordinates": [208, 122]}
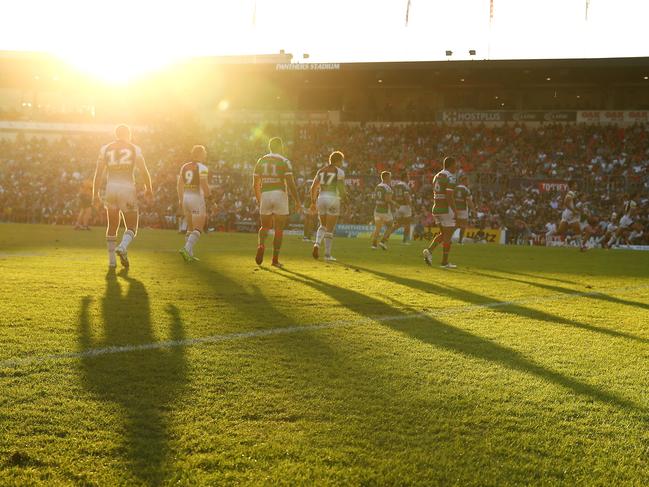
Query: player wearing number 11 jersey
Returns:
{"type": "Point", "coordinates": [273, 176]}
{"type": "Point", "coordinates": [118, 161]}
{"type": "Point", "coordinates": [193, 188]}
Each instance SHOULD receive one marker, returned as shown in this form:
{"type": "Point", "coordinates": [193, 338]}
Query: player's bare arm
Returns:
{"type": "Point", "coordinates": [141, 165]}
{"type": "Point", "coordinates": [342, 189]}
{"type": "Point", "coordinates": [100, 171]}
{"type": "Point", "coordinates": [205, 187]}
{"type": "Point", "coordinates": [450, 197]}
{"type": "Point", "coordinates": [180, 188]}
{"type": "Point", "coordinates": [256, 187]}
{"type": "Point", "coordinates": [315, 190]}
{"type": "Point", "coordinates": [292, 189]}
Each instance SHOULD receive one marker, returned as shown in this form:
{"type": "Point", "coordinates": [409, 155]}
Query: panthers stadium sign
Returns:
{"type": "Point", "coordinates": [307, 67]}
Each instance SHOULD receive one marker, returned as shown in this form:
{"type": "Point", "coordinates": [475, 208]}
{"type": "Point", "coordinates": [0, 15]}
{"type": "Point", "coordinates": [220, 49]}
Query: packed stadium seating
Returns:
{"type": "Point", "coordinates": [40, 179]}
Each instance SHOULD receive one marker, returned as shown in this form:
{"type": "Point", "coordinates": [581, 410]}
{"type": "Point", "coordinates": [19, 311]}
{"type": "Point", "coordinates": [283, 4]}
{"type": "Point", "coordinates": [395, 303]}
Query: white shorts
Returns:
{"type": "Point", "coordinates": [445, 219]}
{"type": "Point", "coordinates": [328, 204]}
{"type": "Point", "coordinates": [569, 217]}
{"type": "Point", "coordinates": [120, 196]}
{"type": "Point", "coordinates": [462, 215]}
{"type": "Point", "coordinates": [274, 203]}
{"type": "Point", "coordinates": [404, 211]}
{"type": "Point", "coordinates": [625, 221]}
{"type": "Point", "coordinates": [194, 204]}
{"type": "Point", "coordinates": [383, 218]}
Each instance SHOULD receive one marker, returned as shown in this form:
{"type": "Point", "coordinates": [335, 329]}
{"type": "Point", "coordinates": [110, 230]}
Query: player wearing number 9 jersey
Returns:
{"type": "Point", "coordinates": [193, 188]}
{"type": "Point", "coordinates": [273, 176]}
{"type": "Point", "coordinates": [326, 190]}
{"type": "Point", "coordinates": [118, 161]}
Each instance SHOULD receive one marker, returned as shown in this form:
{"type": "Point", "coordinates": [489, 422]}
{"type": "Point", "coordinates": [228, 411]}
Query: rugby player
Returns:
{"type": "Point", "coordinates": [444, 211]}
{"type": "Point", "coordinates": [571, 216]}
{"type": "Point", "coordinates": [273, 176]}
{"type": "Point", "coordinates": [118, 161]}
{"type": "Point", "coordinates": [463, 203]}
{"type": "Point", "coordinates": [403, 203]}
{"type": "Point", "coordinates": [85, 206]}
{"type": "Point", "coordinates": [327, 189]}
{"type": "Point", "coordinates": [192, 189]}
{"type": "Point", "coordinates": [382, 211]}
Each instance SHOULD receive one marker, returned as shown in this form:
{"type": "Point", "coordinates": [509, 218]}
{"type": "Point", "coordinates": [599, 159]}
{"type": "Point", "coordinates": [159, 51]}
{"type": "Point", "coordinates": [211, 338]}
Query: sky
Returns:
{"type": "Point", "coordinates": [123, 38]}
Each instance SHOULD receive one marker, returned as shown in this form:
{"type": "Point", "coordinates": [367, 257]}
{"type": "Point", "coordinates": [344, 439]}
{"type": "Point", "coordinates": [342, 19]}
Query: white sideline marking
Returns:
{"type": "Point", "coordinates": [95, 352]}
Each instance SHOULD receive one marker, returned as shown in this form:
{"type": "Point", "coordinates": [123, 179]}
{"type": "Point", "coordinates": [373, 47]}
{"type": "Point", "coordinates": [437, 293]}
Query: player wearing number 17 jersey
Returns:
{"type": "Point", "coordinates": [326, 191]}
{"type": "Point", "coordinates": [273, 176]}
{"type": "Point", "coordinates": [118, 160]}
{"type": "Point", "coordinates": [193, 188]}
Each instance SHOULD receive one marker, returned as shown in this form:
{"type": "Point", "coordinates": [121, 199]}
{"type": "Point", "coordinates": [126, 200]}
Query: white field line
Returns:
{"type": "Point", "coordinates": [260, 333]}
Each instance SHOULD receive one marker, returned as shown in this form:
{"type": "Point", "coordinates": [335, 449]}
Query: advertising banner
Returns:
{"type": "Point", "coordinates": [547, 186]}
{"type": "Point", "coordinates": [497, 116]}
{"type": "Point", "coordinates": [613, 116]}
{"type": "Point", "coordinates": [355, 182]}
{"type": "Point", "coordinates": [477, 235]}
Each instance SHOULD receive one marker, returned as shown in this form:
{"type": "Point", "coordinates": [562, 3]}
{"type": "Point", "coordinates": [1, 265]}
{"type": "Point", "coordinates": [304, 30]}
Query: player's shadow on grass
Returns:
{"type": "Point", "coordinates": [320, 365]}
{"type": "Point", "coordinates": [142, 384]}
{"type": "Point", "coordinates": [507, 308]}
{"type": "Point", "coordinates": [440, 334]}
{"type": "Point", "coordinates": [558, 289]}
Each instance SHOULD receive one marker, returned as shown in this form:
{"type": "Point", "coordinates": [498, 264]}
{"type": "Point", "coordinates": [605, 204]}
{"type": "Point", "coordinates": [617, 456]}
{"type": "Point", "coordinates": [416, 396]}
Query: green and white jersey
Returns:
{"type": "Point", "coordinates": [443, 181]}
{"type": "Point", "coordinates": [401, 190]}
{"type": "Point", "coordinates": [381, 198]}
{"type": "Point", "coordinates": [461, 194]}
{"type": "Point", "coordinates": [329, 177]}
{"type": "Point", "coordinates": [273, 169]}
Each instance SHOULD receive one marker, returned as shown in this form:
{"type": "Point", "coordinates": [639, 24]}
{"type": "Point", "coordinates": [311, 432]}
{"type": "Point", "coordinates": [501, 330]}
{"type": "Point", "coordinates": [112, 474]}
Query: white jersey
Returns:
{"type": "Point", "coordinates": [119, 157]}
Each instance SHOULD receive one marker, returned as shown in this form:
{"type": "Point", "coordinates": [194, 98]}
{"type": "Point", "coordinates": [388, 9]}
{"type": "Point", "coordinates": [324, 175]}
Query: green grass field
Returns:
{"type": "Point", "coordinates": [523, 366]}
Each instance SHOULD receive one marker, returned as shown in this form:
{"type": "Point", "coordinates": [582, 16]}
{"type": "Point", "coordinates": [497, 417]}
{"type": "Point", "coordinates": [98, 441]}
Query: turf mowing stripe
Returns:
{"type": "Point", "coordinates": [95, 352]}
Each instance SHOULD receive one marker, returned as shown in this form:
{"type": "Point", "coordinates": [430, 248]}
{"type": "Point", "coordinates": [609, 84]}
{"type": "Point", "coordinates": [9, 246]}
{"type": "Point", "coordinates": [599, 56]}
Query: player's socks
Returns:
{"type": "Point", "coordinates": [192, 238]}
{"type": "Point", "coordinates": [261, 235]}
{"type": "Point", "coordinates": [111, 242]}
{"type": "Point", "coordinates": [446, 247]}
{"type": "Point", "coordinates": [320, 234]}
{"type": "Point", "coordinates": [259, 257]}
{"type": "Point", "coordinates": [277, 244]}
{"type": "Point", "coordinates": [435, 242]}
{"type": "Point", "coordinates": [328, 240]}
{"type": "Point", "coordinates": [127, 238]}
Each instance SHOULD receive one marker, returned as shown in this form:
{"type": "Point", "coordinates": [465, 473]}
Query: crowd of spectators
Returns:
{"type": "Point", "coordinates": [41, 178]}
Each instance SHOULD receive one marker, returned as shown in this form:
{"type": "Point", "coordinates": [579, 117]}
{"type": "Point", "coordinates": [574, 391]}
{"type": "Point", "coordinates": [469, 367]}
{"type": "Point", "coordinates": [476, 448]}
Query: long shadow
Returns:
{"type": "Point", "coordinates": [558, 289]}
{"type": "Point", "coordinates": [437, 333]}
{"type": "Point", "coordinates": [321, 366]}
{"type": "Point", "coordinates": [542, 276]}
{"type": "Point", "coordinates": [143, 384]}
{"type": "Point", "coordinates": [506, 308]}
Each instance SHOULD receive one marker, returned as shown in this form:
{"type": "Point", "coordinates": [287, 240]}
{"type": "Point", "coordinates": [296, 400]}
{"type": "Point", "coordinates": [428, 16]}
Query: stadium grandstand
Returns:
{"type": "Point", "coordinates": [522, 130]}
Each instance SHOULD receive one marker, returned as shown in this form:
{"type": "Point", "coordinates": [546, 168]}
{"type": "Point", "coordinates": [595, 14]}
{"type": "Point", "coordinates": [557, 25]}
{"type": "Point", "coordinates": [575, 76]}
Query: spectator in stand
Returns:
{"type": "Point", "coordinates": [504, 164]}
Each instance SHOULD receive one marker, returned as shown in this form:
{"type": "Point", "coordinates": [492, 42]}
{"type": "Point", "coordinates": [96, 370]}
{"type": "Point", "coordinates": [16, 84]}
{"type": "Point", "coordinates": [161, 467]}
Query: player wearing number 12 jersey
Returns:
{"type": "Point", "coordinates": [118, 160]}
{"type": "Point", "coordinates": [327, 189]}
{"type": "Point", "coordinates": [273, 175]}
{"type": "Point", "coordinates": [193, 188]}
